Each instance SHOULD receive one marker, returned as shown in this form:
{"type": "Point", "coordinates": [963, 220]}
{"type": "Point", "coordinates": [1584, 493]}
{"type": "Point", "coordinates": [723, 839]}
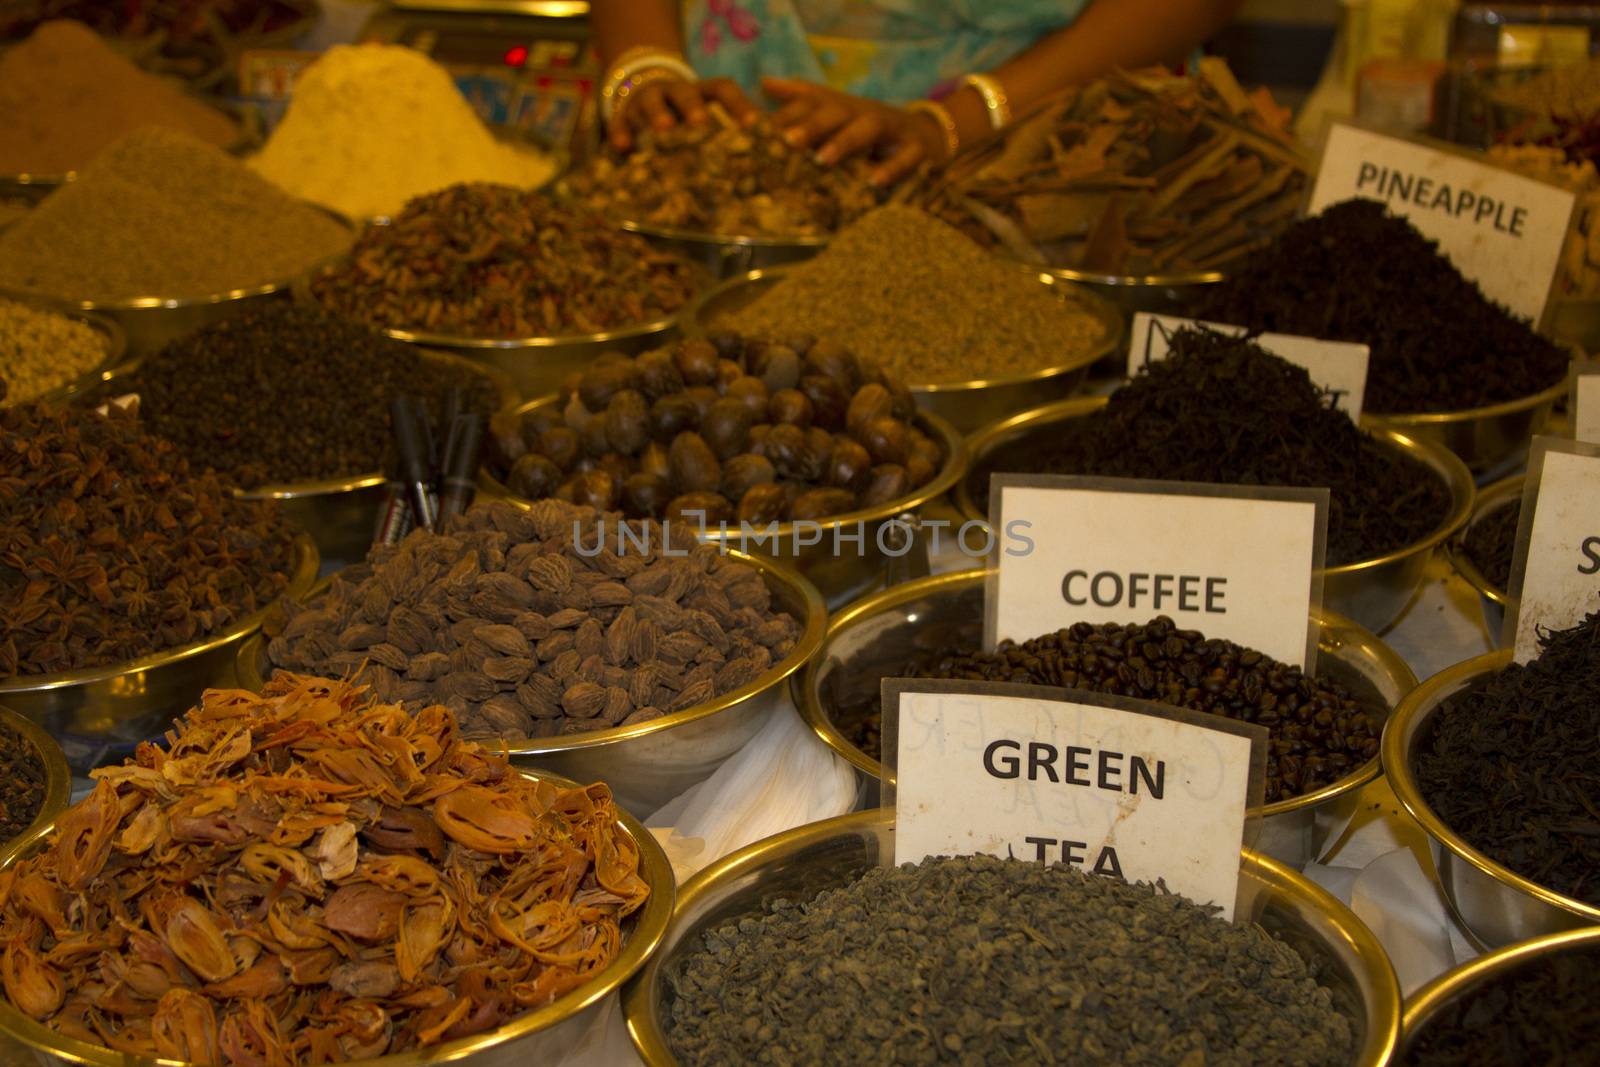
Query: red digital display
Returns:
{"type": "Point", "coordinates": [516, 55]}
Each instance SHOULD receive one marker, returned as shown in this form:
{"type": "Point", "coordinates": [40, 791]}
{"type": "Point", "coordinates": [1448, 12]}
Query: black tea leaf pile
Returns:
{"type": "Point", "coordinates": [1491, 541]}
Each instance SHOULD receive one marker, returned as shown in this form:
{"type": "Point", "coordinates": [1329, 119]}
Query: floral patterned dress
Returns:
{"type": "Point", "coordinates": [891, 50]}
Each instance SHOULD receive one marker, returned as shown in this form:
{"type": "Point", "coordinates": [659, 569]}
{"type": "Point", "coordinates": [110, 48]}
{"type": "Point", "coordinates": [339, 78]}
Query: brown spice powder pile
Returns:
{"type": "Point", "coordinates": [66, 95]}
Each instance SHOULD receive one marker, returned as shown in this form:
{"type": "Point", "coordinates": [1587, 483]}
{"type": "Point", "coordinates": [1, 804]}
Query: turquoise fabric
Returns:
{"type": "Point", "coordinates": [891, 50]}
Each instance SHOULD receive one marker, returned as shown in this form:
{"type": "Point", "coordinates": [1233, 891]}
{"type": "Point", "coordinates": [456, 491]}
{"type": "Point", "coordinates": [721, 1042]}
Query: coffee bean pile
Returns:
{"type": "Point", "coordinates": [1491, 541]}
{"type": "Point", "coordinates": [1319, 731]}
{"type": "Point", "coordinates": [289, 394]}
{"type": "Point", "coordinates": [727, 428]}
{"type": "Point", "coordinates": [531, 623]}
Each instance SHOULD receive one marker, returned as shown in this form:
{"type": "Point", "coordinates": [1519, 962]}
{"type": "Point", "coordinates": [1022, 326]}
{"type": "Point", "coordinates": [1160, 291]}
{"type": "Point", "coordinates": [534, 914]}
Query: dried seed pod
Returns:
{"type": "Point", "coordinates": [694, 465]}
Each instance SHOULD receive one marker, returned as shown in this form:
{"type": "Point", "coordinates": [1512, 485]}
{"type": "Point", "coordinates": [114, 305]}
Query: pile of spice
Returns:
{"type": "Point", "coordinates": [1357, 273]}
{"type": "Point", "coordinates": [1138, 173]}
{"type": "Point", "coordinates": [161, 214]}
{"type": "Point", "coordinates": [311, 876]}
{"type": "Point", "coordinates": [1222, 409]}
{"type": "Point", "coordinates": [721, 178]}
{"type": "Point", "coordinates": [372, 125]}
{"type": "Point", "coordinates": [283, 393]}
{"type": "Point", "coordinates": [41, 350]}
{"type": "Point", "coordinates": [22, 784]}
{"type": "Point", "coordinates": [975, 959]}
{"type": "Point", "coordinates": [1541, 1011]}
{"type": "Point", "coordinates": [67, 95]}
{"type": "Point", "coordinates": [481, 260]}
{"type": "Point", "coordinates": [13, 208]}
{"type": "Point", "coordinates": [1491, 541]}
{"type": "Point", "coordinates": [532, 623]}
{"type": "Point", "coordinates": [1508, 764]}
{"type": "Point", "coordinates": [114, 550]}
{"type": "Point", "coordinates": [1319, 732]}
{"type": "Point", "coordinates": [907, 291]}
{"type": "Point", "coordinates": [723, 430]}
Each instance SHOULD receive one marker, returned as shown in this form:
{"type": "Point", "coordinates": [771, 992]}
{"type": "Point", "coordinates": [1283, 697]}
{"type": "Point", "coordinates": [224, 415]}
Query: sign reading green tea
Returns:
{"type": "Point", "coordinates": [1119, 787]}
{"type": "Point", "coordinates": [1233, 561]}
{"type": "Point", "coordinates": [1555, 569]}
{"type": "Point", "coordinates": [1502, 230]}
{"type": "Point", "coordinates": [1586, 405]}
{"type": "Point", "coordinates": [1338, 366]}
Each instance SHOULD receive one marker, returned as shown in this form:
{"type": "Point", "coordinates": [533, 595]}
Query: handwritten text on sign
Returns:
{"type": "Point", "coordinates": [1500, 229]}
{"type": "Point", "coordinates": [1340, 366]}
{"type": "Point", "coordinates": [1115, 786]}
{"type": "Point", "coordinates": [1232, 562]}
{"type": "Point", "coordinates": [1558, 554]}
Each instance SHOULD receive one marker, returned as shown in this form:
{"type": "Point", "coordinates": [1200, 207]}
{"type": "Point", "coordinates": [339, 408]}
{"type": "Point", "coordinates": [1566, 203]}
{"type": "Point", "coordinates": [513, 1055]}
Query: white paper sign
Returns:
{"type": "Point", "coordinates": [1504, 231]}
{"type": "Point", "coordinates": [1230, 561]}
{"type": "Point", "coordinates": [1555, 571]}
{"type": "Point", "coordinates": [1340, 366]}
{"type": "Point", "coordinates": [1586, 406]}
{"type": "Point", "coordinates": [1114, 786]}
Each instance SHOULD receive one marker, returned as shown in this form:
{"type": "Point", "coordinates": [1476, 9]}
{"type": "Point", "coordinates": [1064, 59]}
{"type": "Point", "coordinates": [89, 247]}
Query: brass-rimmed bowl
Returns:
{"type": "Point", "coordinates": [1424, 1005]}
{"type": "Point", "coordinates": [341, 513]}
{"type": "Point", "coordinates": [1482, 437]}
{"type": "Point", "coordinates": [838, 564]}
{"type": "Point", "coordinates": [111, 336]}
{"type": "Point", "coordinates": [1168, 293]}
{"type": "Point", "coordinates": [535, 365]}
{"type": "Point", "coordinates": [57, 775]}
{"type": "Point", "coordinates": [966, 405]}
{"type": "Point", "coordinates": [873, 638]}
{"type": "Point", "coordinates": [1374, 592]}
{"type": "Point", "coordinates": [1505, 493]}
{"type": "Point", "coordinates": [799, 864]}
{"type": "Point", "coordinates": [103, 712]}
{"type": "Point", "coordinates": [649, 763]}
{"type": "Point", "coordinates": [1495, 905]}
{"type": "Point", "coordinates": [544, 1035]}
{"type": "Point", "coordinates": [729, 255]}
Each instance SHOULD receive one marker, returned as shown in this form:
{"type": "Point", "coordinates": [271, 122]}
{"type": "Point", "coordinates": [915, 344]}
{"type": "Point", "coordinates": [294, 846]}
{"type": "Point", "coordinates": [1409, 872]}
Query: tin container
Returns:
{"type": "Point", "coordinates": [116, 344]}
{"type": "Point", "coordinates": [1373, 592]}
{"type": "Point", "coordinates": [873, 638]}
{"type": "Point", "coordinates": [1495, 905]}
{"type": "Point", "coordinates": [837, 563]}
{"type": "Point", "coordinates": [1506, 493]}
{"type": "Point", "coordinates": [803, 862]}
{"type": "Point", "coordinates": [1481, 437]}
{"type": "Point", "coordinates": [541, 1036]}
{"type": "Point", "coordinates": [57, 775]}
{"type": "Point", "coordinates": [965, 405]}
{"type": "Point", "coordinates": [101, 713]}
{"type": "Point", "coordinates": [649, 763]}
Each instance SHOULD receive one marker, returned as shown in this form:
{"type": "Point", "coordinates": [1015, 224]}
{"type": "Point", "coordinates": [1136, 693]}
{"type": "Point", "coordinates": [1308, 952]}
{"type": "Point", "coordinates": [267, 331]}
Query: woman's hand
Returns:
{"type": "Point", "coordinates": [663, 103]}
{"type": "Point", "coordinates": [839, 126]}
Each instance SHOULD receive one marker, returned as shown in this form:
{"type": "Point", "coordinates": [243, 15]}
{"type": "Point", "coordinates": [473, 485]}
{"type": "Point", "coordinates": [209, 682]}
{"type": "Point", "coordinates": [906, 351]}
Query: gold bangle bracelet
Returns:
{"type": "Point", "coordinates": [633, 68]}
{"type": "Point", "coordinates": [940, 114]}
{"type": "Point", "coordinates": [995, 102]}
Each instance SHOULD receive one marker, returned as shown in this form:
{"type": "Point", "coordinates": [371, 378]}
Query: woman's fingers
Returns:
{"type": "Point", "coordinates": [648, 108]}
{"type": "Point", "coordinates": [828, 118]}
{"type": "Point", "coordinates": [858, 135]}
{"type": "Point", "coordinates": [688, 102]}
{"type": "Point", "coordinates": [900, 162]}
{"type": "Point", "coordinates": [726, 92]}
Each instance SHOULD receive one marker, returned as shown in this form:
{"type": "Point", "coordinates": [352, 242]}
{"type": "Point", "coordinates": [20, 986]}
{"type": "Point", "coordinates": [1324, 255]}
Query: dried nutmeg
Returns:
{"type": "Point", "coordinates": [627, 421]}
{"type": "Point", "coordinates": [888, 482]}
{"type": "Point", "coordinates": [655, 459]}
{"type": "Point", "coordinates": [671, 415]}
{"type": "Point", "coordinates": [790, 406]}
{"type": "Point", "coordinates": [833, 360]}
{"type": "Point", "coordinates": [743, 473]}
{"type": "Point", "coordinates": [821, 504]}
{"type": "Point", "coordinates": [534, 476]}
{"type": "Point", "coordinates": [699, 509]}
{"type": "Point", "coordinates": [763, 504]}
{"type": "Point", "coordinates": [694, 465]}
{"type": "Point", "coordinates": [726, 428]}
{"type": "Point", "coordinates": [645, 494]}
{"type": "Point", "coordinates": [886, 438]}
{"type": "Point", "coordinates": [697, 360]}
{"type": "Point", "coordinates": [596, 489]}
{"type": "Point", "coordinates": [870, 402]}
{"type": "Point", "coordinates": [780, 369]}
{"type": "Point", "coordinates": [849, 467]}
{"type": "Point", "coordinates": [829, 400]}
{"type": "Point", "coordinates": [657, 374]}
{"type": "Point", "coordinates": [560, 445]}
{"type": "Point", "coordinates": [752, 393]}
{"type": "Point", "coordinates": [602, 380]}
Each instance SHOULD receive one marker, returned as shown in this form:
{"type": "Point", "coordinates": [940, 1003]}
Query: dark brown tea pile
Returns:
{"type": "Point", "coordinates": [21, 783]}
{"type": "Point", "coordinates": [1319, 731]}
{"type": "Point", "coordinates": [1509, 764]}
{"type": "Point", "coordinates": [112, 549]}
{"type": "Point", "coordinates": [1357, 273]}
{"type": "Point", "coordinates": [531, 623]}
{"type": "Point", "coordinates": [288, 394]}
{"type": "Point", "coordinates": [1491, 541]}
{"type": "Point", "coordinates": [1220, 409]}
{"type": "Point", "coordinates": [731, 429]}
{"type": "Point", "coordinates": [1543, 1011]}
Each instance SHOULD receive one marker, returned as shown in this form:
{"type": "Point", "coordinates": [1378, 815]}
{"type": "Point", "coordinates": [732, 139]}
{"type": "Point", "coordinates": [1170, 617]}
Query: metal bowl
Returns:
{"type": "Point", "coordinates": [1494, 904]}
{"type": "Point", "coordinates": [1160, 294]}
{"type": "Point", "coordinates": [803, 862]}
{"type": "Point", "coordinates": [965, 405]}
{"type": "Point", "coordinates": [729, 255]}
{"type": "Point", "coordinates": [57, 775]}
{"type": "Point", "coordinates": [1427, 1002]}
{"type": "Point", "coordinates": [873, 638]}
{"type": "Point", "coordinates": [828, 563]}
{"type": "Point", "coordinates": [116, 344]}
{"type": "Point", "coordinates": [103, 712]}
{"type": "Point", "coordinates": [1374, 592]}
{"type": "Point", "coordinates": [542, 1036]}
{"type": "Point", "coordinates": [1507, 492]}
{"type": "Point", "coordinates": [649, 763]}
{"type": "Point", "coordinates": [535, 365]}
{"type": "Point", "coordinates": [341, 513]}
{"type": "Point", "coordinates": [1481, 437]}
